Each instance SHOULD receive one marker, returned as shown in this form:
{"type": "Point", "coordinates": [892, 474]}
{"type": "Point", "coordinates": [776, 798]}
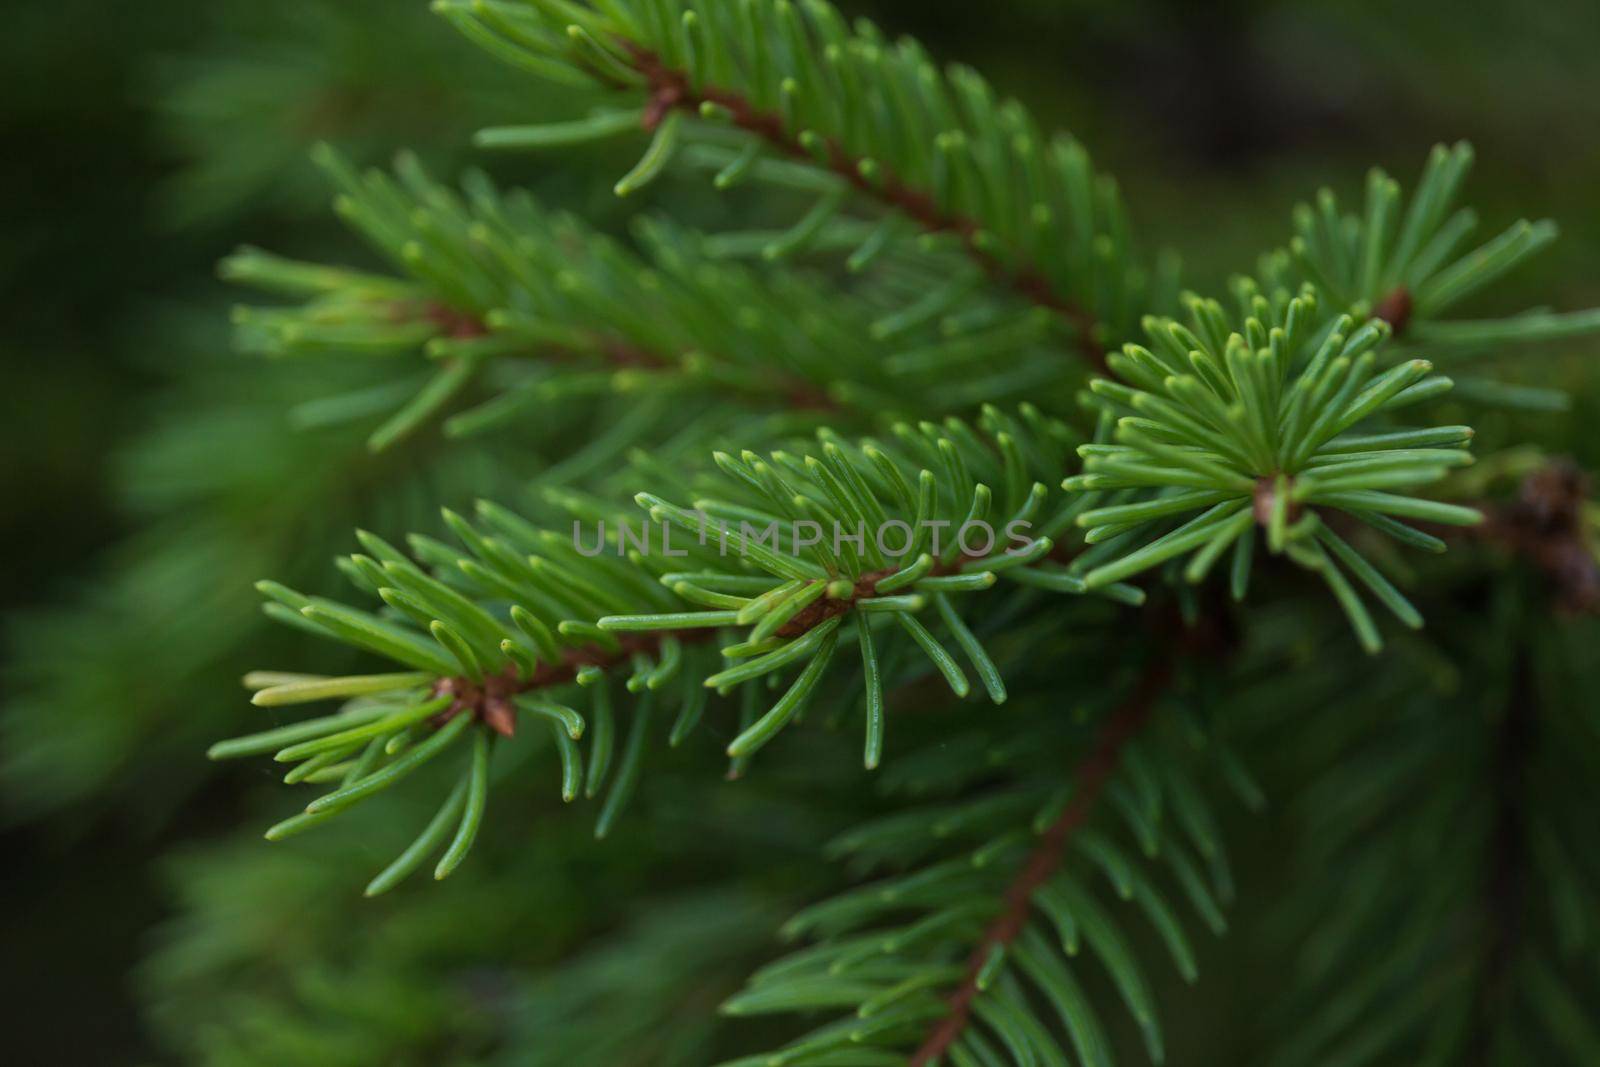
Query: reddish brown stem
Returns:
{"type": "Point", "coordinates": [671, 89]}
{"type": "Point", "coordinates": [1088, 781]}
{"type": "Point", "coordinates": [451, 322]}
{"type": "Point", "coordinates": [489, 701]}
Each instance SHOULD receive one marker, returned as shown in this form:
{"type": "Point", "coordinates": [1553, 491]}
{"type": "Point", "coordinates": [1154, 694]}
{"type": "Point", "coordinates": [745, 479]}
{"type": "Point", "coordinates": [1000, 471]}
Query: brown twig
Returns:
{"type": "Point", "coordinates": [1089, 778]}
{"type": "Point", "coordinates": [670, 89]}
{"type": "Point", "coordinates": [450, 322]}
{"type": "Point", "coordinates": [489, 701]}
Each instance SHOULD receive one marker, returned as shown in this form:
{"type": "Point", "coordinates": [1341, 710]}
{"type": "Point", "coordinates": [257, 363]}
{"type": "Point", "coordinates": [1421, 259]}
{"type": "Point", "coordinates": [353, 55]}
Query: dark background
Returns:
{"type": "Point", "coordinates": [129, 162]}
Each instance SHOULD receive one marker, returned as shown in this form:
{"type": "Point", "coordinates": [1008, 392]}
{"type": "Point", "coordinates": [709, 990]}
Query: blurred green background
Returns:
{"type": "Point", "coordinates": [142, 142]}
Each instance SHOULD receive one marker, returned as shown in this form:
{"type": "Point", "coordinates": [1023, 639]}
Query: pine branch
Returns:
{"type": "Point", "coordinates": [538, 310]}
{"type": "Point", "coordinates": [1228, 425]}
{"type": "Point", "coordinates": [577, 614]}
{"type": "Point", "coordinates": [494, 279]}
{"type": "Point", "coordinates": [1004, 875]}
{"type": "Point", "coordinates": [843, 110]}
{"type": "Point", "coordinates": [1253, 421]}
{"type": "Point", "coordinates": [1088, 779]}
{"type": "Point", "coordinates": [1406, 267]}
{"type": "Point", "coordinates": [670, 88]}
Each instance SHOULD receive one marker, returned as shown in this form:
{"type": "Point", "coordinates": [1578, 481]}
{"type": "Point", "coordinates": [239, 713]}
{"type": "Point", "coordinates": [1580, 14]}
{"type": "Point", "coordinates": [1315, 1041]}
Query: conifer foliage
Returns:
{"type": "Point", "coordinates": [950, 467]}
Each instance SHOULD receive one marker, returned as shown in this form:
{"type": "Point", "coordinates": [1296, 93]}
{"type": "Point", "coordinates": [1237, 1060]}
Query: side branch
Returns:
{"type": "Point", "coordinates": [796, 393]}
{"type": "Point", "coordinates": [1089, 778]}
{"type": "Point", "coordinates": [671, 89]}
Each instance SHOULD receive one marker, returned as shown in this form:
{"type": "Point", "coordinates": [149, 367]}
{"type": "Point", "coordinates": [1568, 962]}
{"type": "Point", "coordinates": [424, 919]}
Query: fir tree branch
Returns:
{"type": "Point", "coordinates": [790, 390]}
{"type": "Point", "coordinates": [537, 309]}
{"type": "Point", "coordinates": [1245, 422]}
{"type": "Point", "coordinates": [974, 933]}
{"type": "Point", "coordinates": [520, 282]}
{"type": "Point", "coordinates": [843, 109]}
{"type": "Point", "coordinates": [1088, 779]}
{"type": "Point", "coordinates": [671, 88]}
{"type": "Point", "coordinates": [1402, 262]}
{"type": "Point", "coordinates": [527, 609]}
